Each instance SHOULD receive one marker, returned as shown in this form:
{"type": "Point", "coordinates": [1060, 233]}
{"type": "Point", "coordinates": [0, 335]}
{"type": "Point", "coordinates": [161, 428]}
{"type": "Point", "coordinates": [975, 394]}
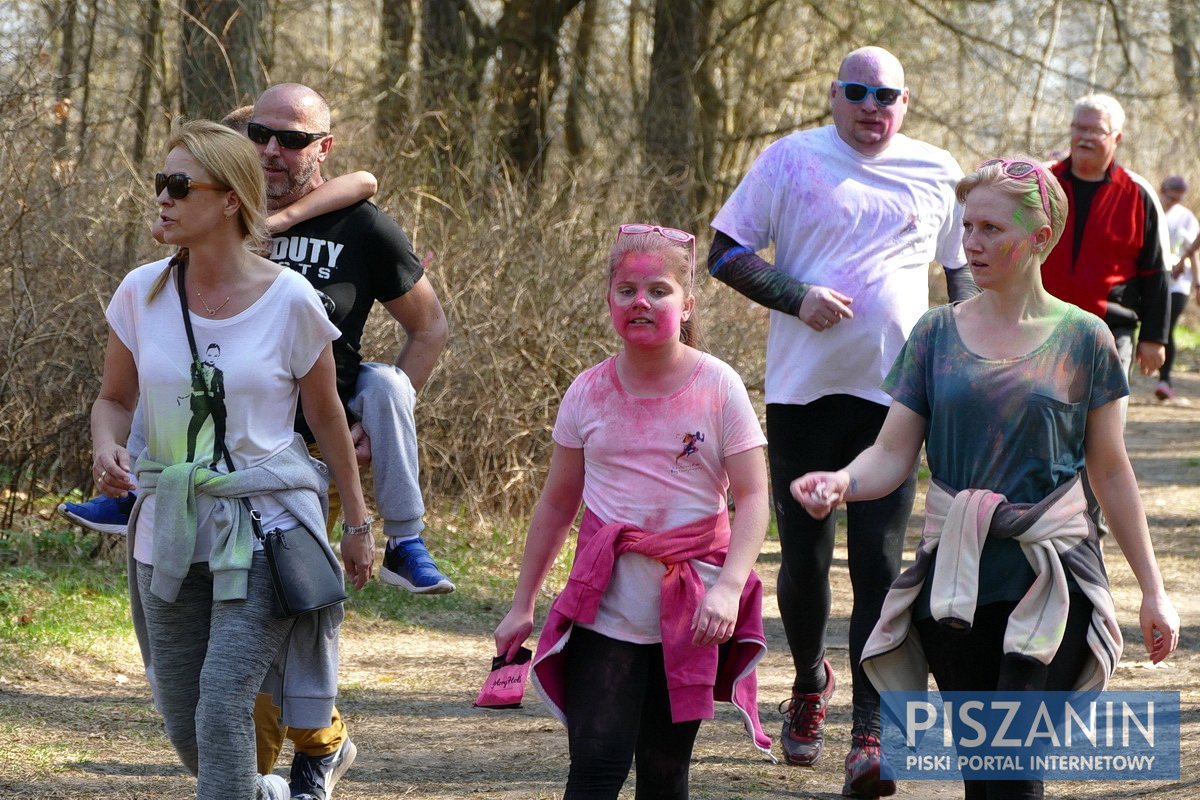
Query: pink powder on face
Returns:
{"type": "Point", "coordinates": [645, 301]}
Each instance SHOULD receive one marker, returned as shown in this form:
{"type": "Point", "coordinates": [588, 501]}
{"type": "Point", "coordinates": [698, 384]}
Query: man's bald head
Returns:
{"type": "Point", "coordinates": [306, 104]}
{"type": "Point", "coordinates": [876, 62]}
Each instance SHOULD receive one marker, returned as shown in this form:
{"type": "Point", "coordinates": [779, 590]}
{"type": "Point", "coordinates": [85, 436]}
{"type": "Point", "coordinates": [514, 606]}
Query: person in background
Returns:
{"type": "Point", "coordinates": [1183, 229]}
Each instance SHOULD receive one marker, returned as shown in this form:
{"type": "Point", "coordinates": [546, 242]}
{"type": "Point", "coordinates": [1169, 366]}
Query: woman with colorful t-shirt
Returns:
{"type": "Point", "coordinates": [218, 424]}
{"type": "Point", "coordinates": [662, 609]}
{"type": "Point", "coordinates": [1013, 393]}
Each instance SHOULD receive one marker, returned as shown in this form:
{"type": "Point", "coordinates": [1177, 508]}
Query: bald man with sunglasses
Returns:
{"type": "Point", "coordinates": [856, 212]}
{"type": "Point", "coordinates": [355, 257]}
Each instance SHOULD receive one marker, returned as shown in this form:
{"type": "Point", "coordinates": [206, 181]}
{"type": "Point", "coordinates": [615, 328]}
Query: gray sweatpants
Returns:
{"type": "Point", "coordinates": [209, 663]}
{"type": "Point", "coordinates": [384, 398]}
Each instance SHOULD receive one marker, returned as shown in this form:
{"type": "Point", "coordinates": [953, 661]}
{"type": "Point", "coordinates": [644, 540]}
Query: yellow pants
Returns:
{"type": "Point", "coordinates": [269, 731]}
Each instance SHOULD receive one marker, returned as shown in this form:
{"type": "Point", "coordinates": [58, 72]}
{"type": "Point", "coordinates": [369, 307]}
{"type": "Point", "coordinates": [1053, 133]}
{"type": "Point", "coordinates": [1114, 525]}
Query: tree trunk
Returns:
{"type": "Point", "coordinates": [526, 78]}
{"type": "Point", "coordinates": [85, 72]}
{"type": "Point", "coordinates": [219, 59]}
{"type": "Point", "coordinates": [64, 79]}
{"type": "Point", "coordinates": [396, 33]}
{"type": "Point", "coordinates": [711, 108]}
{"type": "Point", "coordinates": [573, 134]}
{"type": "Point", "coordinates": [669, 124]}
{"type": "Point", "coordinates": [1031, 121]}
{"type": "Point", "coordinates": [1185, 27]}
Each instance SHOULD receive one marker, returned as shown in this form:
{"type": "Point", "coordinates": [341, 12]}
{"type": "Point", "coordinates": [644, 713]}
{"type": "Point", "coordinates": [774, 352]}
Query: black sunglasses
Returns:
{"type": "Point", "coordinates": [857, 92]}
{"type": "Point", "coordinates": [289, 140]}
{"type": "Point", "coordinates": [178, 184]}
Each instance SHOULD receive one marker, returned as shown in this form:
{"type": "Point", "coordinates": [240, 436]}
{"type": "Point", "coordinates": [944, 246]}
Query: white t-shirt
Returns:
{"type": "Point", "coordinates": [657, 463]}
{"type": "Point", "coordinates": [865, 226]}
{"type": "Point", "coordinates": [1183, 228]}
{"type": "Point", "coordinates": [250, 363]}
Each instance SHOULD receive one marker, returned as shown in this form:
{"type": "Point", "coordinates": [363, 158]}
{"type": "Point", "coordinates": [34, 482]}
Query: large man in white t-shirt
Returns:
{"type": "Point", "coordinates": [856, 211]}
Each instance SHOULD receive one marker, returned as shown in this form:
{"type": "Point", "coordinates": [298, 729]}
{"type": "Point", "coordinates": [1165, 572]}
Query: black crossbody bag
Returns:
{"type": "Point", "coordinates": [304, 575]}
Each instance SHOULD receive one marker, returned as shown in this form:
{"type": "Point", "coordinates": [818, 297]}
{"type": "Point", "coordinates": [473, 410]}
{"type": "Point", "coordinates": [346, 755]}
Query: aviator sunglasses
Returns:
{"type": "Point", "coordinates": [1023, 169]}
{"type": "Point", "coordinates": [672, 234]}
{"type": "Point", "coordinates": [178, 184]}
{"type": "Point", "coordinates": [288, 140]}
{"type": "Point", "coordinates": [857, 92]}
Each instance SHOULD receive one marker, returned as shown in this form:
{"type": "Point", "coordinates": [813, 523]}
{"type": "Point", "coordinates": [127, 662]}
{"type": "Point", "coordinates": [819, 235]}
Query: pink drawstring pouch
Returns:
{"type": "Point", "coordinates": [505, 684]}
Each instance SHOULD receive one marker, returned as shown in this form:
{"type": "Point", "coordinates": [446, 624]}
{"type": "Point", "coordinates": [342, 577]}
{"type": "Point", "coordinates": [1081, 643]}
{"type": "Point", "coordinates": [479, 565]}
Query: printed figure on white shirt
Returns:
{"type": "Point", "coordinates": [207, 400]}
{"type": "Point", "coordinates": [856, 212]}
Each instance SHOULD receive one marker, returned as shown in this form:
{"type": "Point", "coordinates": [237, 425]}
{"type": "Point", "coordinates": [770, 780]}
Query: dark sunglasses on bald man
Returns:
{"type": "Point", "coordinates": [857, 92]}
{"type": "Point", "coordinates": [178, 184]}
{"type": "Point", "coordinates": [289, 140]}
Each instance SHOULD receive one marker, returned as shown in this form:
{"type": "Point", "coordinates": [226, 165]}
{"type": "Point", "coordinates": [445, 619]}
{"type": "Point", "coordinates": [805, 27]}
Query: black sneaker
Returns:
{"type": "Point", "coordinates": [313, 778]}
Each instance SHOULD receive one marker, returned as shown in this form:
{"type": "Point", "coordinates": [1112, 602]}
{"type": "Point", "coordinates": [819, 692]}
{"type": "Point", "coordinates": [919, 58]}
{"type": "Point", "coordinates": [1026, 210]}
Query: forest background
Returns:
{"type": "Point", "coordinates": [510, 137]}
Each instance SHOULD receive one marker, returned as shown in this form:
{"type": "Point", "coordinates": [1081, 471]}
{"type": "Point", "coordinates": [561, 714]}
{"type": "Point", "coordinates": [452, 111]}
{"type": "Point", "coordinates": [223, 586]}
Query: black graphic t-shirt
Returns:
{"type": "Point", "coordinates": [353, 257]}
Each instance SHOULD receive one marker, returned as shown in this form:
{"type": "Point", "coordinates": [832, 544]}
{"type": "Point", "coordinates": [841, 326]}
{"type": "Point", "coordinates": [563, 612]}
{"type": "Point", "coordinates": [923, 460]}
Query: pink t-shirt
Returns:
{"type": "Point", "coordinates": [655, 462]}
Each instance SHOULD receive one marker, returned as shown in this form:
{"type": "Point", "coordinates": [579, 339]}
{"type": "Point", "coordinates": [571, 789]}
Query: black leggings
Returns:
{"type": "Point", "coordinates": [1178, 304]}
{"type": "Point", "coordinates": [826, 435]}
{"type": "Point", "coordinates": [975, 661]}
{"type": "Point", "coordinates": [617, 706]}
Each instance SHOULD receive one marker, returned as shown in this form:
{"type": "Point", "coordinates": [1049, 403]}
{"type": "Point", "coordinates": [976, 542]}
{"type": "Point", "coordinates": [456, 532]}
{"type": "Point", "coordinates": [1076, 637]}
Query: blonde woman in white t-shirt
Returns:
{"type": "Point", "coordinates": [203, 607]}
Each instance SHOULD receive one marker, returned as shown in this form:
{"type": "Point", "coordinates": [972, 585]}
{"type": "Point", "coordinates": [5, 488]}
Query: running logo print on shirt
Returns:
{"type": "Point", "coordinates": [691, 444]}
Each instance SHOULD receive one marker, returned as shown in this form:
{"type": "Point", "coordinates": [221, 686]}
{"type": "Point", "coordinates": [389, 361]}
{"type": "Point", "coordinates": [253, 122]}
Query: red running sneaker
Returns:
{"type": "Point", "coordinates": [804, 723]}
{"type": "Point", "coordinates": [867, 774]}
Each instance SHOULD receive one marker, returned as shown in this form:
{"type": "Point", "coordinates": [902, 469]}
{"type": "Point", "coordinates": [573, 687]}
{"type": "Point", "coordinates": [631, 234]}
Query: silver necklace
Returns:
{"type": "Point", "coordinates": [212, 312]}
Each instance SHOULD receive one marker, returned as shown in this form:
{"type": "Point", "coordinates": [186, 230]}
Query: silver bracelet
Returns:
{"type": "Point", "coordinates": [357, 530]}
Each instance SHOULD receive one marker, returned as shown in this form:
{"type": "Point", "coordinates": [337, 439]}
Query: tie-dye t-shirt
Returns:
{"type": "Point", "coordinates": [1012, 425]}
{"type": "Point", "coordinates": [654, 462]}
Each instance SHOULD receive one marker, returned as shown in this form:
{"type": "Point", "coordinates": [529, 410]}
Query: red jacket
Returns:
{"type": "Point", "coordinates": [1119, 273]}
{"type": "Point", "coordinates": [695, 675]}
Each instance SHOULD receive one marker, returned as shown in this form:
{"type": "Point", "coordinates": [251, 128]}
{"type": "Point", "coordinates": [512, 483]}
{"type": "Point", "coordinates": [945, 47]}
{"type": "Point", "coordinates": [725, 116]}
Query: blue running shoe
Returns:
{"type": "Point", "coordinates": [102, 514]}
{"type": "Point", "coordinates": [409, 566]}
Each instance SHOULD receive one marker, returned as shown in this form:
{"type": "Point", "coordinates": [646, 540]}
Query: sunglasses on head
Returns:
{"type": "Point", "coordinates": [178, 184]}
{"type": "Point", "coordinates": [288, 140]}
{"type": "Point", "coordinates": [857, 92]}
{"type": "Point", "coordinates": [672, 234]}
{"type": "Point", "coordinates": [1023, 169]}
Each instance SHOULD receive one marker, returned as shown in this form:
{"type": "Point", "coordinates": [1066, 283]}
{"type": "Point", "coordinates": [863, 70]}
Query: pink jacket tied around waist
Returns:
{"type": "Point", "coordinates": [695, 676]}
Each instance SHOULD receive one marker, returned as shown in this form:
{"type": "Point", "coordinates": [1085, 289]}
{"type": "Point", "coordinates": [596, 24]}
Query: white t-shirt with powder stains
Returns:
{"type": "Point", "coordinates": [866, 226]}
{"type": "Point", "coordinates": [657, 463]}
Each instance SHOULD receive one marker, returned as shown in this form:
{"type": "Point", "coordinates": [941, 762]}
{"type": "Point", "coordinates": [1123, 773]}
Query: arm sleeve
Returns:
{"type": "Point", "coordinates": [741, 268]}
{"type": "Point", "coordinates": [566, 424]}
{"type": "Point", "coordinates": [310, 327]}
{"type": "Point", "coordinates": [1154, 286]}
{"type": "Point", "coordinates": [908, 381]}
{"type": "Point", "coordinates": [1108, 378]}
{"type": "Point", "coordinates": [123, 312]}
{"type": "Point", "coordinates": [960, 284]}
{"type": "Point", "coordinates": [741, 429]}
{"type": "Point", "coordinates": [396, 267]}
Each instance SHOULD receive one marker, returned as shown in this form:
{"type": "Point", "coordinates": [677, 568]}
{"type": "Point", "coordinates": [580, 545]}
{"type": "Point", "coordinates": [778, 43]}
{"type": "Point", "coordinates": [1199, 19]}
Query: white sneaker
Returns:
{"type": "Point", "coordinates": [273, 787]}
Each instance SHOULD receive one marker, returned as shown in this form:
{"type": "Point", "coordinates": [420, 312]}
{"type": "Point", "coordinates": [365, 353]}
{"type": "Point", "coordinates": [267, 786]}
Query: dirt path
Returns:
{"type": "Point", "coordinates": [407, 692]}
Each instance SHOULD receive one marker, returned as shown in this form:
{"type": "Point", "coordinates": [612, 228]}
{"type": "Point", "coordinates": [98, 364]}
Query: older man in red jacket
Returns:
{"type": "Point", "coordinates": [1111, 259]}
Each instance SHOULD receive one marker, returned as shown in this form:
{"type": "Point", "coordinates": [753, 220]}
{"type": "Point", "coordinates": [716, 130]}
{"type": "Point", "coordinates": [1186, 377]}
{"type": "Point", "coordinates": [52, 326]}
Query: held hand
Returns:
{"type": "Point", "coordinates": [512, 632]}
{"type": "Point", "coordinates": [1160, 626]}
{"type": "Point", "coordinates": [1150, 356]}
{"type": "Point", "coordinates": [715, 617]}
{"type": "Point", "coordinates": [358, 556]}
{"type": "Point", "coordinates": [112, 471]}
{"type": "Point", "coordinates": [820, 492]}
{"type": "Point", "coordinates": [1177, 270]}
{"type": "Point", "coordinates": [362, 444]}
{"type": "Point", "coordinates": [823, 308]}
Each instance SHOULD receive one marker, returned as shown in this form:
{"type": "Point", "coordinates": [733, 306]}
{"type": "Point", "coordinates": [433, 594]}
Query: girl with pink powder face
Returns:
{"type": "Point", "coordinates": [652, 441]}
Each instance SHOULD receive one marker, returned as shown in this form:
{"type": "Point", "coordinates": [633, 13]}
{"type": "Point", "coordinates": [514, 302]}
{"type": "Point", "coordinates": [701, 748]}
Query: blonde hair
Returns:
{"type": "Point", "coordinates": [676, 258]}
{"type": "Point", "coordinates": [1026, 191]}
{"type": "Point", "coordinates": [230, 160]}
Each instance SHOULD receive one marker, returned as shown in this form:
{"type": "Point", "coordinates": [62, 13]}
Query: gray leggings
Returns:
{"type": "Point", "coordinates": [209, 662]}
